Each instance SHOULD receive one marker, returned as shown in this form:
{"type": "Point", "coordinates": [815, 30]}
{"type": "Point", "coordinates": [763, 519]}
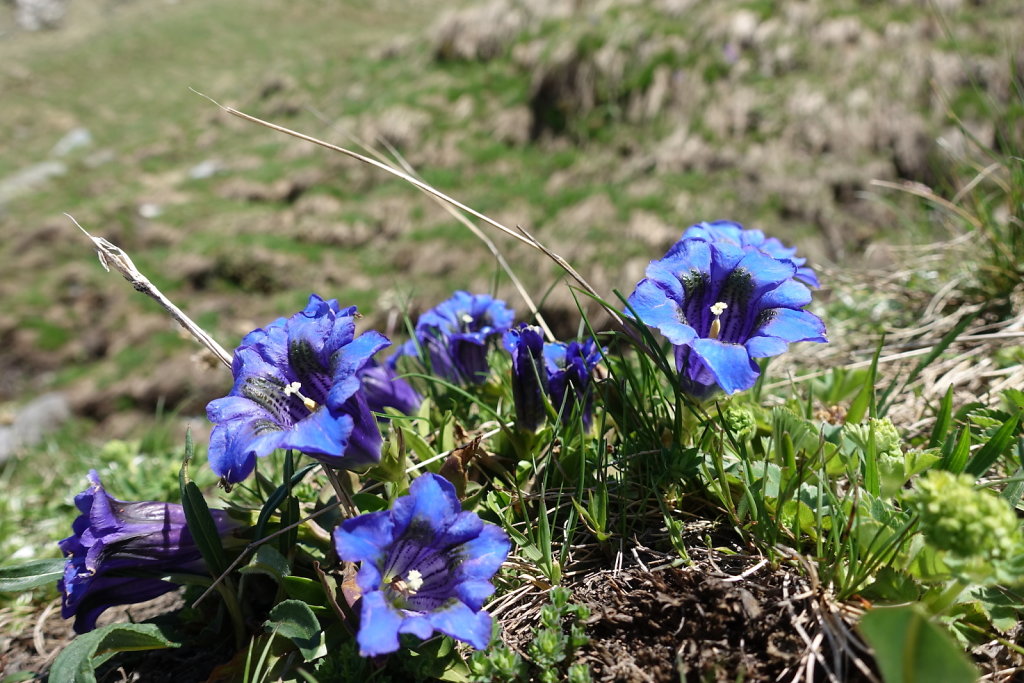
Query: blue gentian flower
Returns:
{"type": "Point", "coordinates": [722, 305]}
{"type": "Point", "coordinates": [297, 386]}
{"type": "Point", "coordinates": [727, 231]}
{"type": "Point", "coordinates": [529, 374]}
{"type": "Point", "coordinates": [426, 567]}
{"type": "Point", "coordinates": [383, 388]}
{"type": "Point", "coordinates": [112, 537]}
{"type": "Point", "coordinates": [570, 367]}
{"type": "Point", "coordinates": [454, 336]}
{"type": "Point", "coordinates": [560, 370]}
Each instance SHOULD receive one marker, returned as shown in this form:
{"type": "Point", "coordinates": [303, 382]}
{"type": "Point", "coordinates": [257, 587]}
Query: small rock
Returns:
{"type": "Point", "coordinates": [28, 179]}
{"type": "Point", "coordinates": [205, 169]}
{"type": "Point", "coordinates": [76, 138]}
{"type": "Point", "coordinates": [150, 210]}
{"type": "Point", "coordinates": [35, 420]}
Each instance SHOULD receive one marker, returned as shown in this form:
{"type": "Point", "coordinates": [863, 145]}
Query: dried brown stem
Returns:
{"type": "Point", "coordinates": [111, 255]}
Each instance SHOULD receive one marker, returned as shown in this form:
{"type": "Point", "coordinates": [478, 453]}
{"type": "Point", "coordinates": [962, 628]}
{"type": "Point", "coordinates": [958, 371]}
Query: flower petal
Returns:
{"type": "Point", "coordinates": [418, 625]}
{"type": "Point", "coordinates": [654, 307]}
{"type": "Point", "coordinates": [462, 623]}
{"type": "Point", "coordinates": [322, 433]}
{"type": "Point", "coordinates": [789, 294]}
{"type": "Point", "coordinates": [484, 554]}
{"type": "Point", "coordinates": [431, 500]}
{"type": "Point", "coordinates": [365, 538]}
{"type": "Point", "coordinates": [379, 622]}
{"type": "Point", "coordinates": [729, 363]}
{"type": "Point", "coordinates": [765, 347]}
{"type": "Point", "coordinates": [474, 593]}
{"type": "Point", "coordinates": [793, 325]}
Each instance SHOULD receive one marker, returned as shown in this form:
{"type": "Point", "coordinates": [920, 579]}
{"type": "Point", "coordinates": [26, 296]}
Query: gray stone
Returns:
{"type": "Point", "coordinates": [205, 169]}
{"type": "Point", "coordinates": [39, 15]}
{"type": "Point", "coordinates": [32, 422]}
{"type": "Point", "coordinates": [76, 138]}
{"type": "Point", "coordinates": [27, 179]}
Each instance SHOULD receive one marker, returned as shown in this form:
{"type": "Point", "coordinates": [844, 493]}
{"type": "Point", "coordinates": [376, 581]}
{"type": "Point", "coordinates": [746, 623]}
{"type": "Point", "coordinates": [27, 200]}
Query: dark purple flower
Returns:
{"type": "Point", "coordinates": [454, 336]}
{"type": "Point", "coordinates": [722, 305]}
{"type": "Point", "coordinates": [529, 375]}
{"type": "Point", "coordinates": [112, 537]}
{"type": "Point", "coordinates": [559, 370]}
{"type": "Point", "coordinates": [297, 386]}
{"type": "Point", "coordinates": [426, 567]}
{"type": "Point", "coordinates": [383, 388]}
{"type": "Point", "coordinates": [570, 367]}
{"type": "Point", "coordinates": [727, 231]}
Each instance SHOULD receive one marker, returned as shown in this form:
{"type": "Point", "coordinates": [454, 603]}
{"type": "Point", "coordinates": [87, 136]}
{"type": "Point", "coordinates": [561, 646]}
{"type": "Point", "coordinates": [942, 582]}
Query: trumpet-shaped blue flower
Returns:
{"type": "Point", "coordinates": [111, 537]}
{"type": "Point", "coordinates": [454, 336]}
{"type": "Point", "coordinates": [560, 370]}
{"type": "Point", "coordinates": [727, 231]}
{"type": "Point", "coordinates": [426, 567]}
{"type": "Point", "coordinates": [529, 374]}
{"type": "Point", "coordinates": [383, 388]}
{"type": "Point", "coordinates": [721, 305]}
{"type": "Point", "coordinates": [297, 386]}
{"type": "Point", "coordinates": [570, 367]}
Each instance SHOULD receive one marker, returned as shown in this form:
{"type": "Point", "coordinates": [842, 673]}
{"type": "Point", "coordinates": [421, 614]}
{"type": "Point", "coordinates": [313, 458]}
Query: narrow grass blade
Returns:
{"type": "Point", "coordinates": [936, 351]}
{"type": "Point", "coordinates": [996, 446]}
{"type": "Point", "coordinates": [872, 482]}
{"type": "Point", "coordinates": [956, 459]}
{"type": "Point", "coordinates": [943, 420]}
{"type": "Point", "coordinates": [864, 402]}
{"type": "Point", "coordinates": [277, 497]}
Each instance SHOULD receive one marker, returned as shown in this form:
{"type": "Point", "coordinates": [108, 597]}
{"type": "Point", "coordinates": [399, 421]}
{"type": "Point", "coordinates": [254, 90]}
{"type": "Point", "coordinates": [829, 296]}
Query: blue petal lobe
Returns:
{"type": "Point", "coordinates": [462, 623]}
{"type": "Point", "coordinates": [379, 622]}
{"type": "Point", "coordinates": [322, 433]}
{"type": "Point", "coordinates": [793, 325]}
{"type": "Point", "coordinates": [364, 538]}
{"type": "Point", "coordinates": [729, 363]}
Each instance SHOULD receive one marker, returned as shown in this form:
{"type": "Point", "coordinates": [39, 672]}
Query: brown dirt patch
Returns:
{"type": "Point", "coordinates": [690, 624]}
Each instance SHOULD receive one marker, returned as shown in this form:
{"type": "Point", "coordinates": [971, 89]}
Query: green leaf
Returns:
{"type": "Point", "coordinates": [1014, 490]}
{"type": "Point", "coordinates": [277, 497]}
{"type": "Point", "coordinates": [417, 443]}
{"type": "Point", "coordinates": [307, 590]}
{"type": "Point", "coordinates": [996, 446]}
{"type": "Point", "coordinates": [956, 459]}
{"type": "Point", "coordinates": [910, 649]}
{"type": "Point", "coordinates": [294, 620]}
{"type": "Point", "coordinates": [865, 398]}
{"type": "Point", "coordinates": [268, 560]}
{"type": "Point", "coordinates": [22, 577]}
{"type": "Point", "coordinates": [197, 515]}
{"type": "Point", "coordinates": [76, 662]}
{"type": "Point", "coordinates": [943, 420]}
{"type": "Point", "coordinates": [18, 677]}
{"type": "Point", "coordinates": [872, 483]}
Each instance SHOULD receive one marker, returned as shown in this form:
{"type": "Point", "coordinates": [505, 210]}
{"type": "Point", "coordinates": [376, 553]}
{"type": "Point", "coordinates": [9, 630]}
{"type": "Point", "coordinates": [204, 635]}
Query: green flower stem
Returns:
{"type": "Point", "coordinates": [226, 588]}
{"type": "Point", "coordinates": [947, 597]}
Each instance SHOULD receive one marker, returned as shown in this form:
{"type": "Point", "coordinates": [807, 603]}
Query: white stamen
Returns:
{"type": "Point", "coordinates": [716, 325]}
{"type": "Point", "coordinates": [467, 318]}
{"type": "Point", "coordinates": [414, 581]}
{"type": "Point", "coordinates": [295, 388]}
